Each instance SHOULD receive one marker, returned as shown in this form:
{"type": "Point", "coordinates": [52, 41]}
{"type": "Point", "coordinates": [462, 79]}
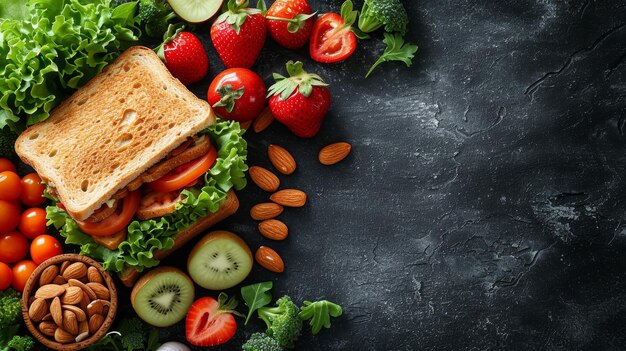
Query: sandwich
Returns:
{"type": "Point", "coordinates": [136, 164]}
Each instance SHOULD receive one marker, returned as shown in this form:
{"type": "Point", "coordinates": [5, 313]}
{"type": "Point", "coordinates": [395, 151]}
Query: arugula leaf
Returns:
{"type": "Point", "coordinates": [256, 296]}
{"type": "Point", "coordinates": [319, 312]}
{"type": "Point", "coordinates": [396, 50]}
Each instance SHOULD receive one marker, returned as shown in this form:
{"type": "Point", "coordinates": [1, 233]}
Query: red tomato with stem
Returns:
{"type": "Point", "coordinates": [6, 276]}
{"type": "Point", "coordinates": [32, 190]}
{"type": "Point", "coordinates": [33, 222]}
{"type": "Point", "coordinates": [21, 272]}
{"type": "Point", "coordinates": [9, 216]}
{"type": "Point", "coordinates": [10, 187]}
{"type": "Point", "coordinates": [237, 94]}
{"type": "Point", "coordinates": [185, 174]}
{"type": "Point", "coordinates": [7, 165]}
{"type": "Point", "coordinates": [332, 39]}
{"type": "Point", "coordinates": [44, 247]}
{"type": "Point", "coordinates": [13, 247]}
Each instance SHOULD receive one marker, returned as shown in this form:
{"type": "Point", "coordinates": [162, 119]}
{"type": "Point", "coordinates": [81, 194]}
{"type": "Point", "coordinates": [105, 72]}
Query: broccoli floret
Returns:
{"type": "Point", "coordinates": [22, 343]}
{"type": "Point", "coordinates": [10, 315]}
{"type": "Point", "coordinates": [388, 13]}
{"type": "Point", "coordinates": [132, 334]}
{"type": "Point", "coordinates": [261, 342]}
{"type": "Point", "coordinates": [283, 323]}
{"type": "Point", "coordinates": [7, 143]}
{"type": "Point", "coordinates": [156, 16]}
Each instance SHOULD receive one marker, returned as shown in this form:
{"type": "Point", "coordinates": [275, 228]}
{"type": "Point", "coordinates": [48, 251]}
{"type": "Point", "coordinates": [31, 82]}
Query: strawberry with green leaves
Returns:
{"type": "Point", "coordinates": [239, 34]}
{"type": "Point", "coordinates": [289, 22]}
{"type": "Point", "coordinates": [299, 101]}
{"type": "Point", "coordinates": [184, 55]}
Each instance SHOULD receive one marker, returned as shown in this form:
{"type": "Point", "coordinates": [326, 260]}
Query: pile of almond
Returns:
{"type": "Point", "coordinates": [269, 227]}
{"type": "Point", "coordinates": [70, 302]}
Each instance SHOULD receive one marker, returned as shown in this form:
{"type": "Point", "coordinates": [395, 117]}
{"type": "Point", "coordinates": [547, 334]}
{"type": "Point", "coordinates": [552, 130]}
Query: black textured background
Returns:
{"type": "Point", "coordinates": [482, 207]}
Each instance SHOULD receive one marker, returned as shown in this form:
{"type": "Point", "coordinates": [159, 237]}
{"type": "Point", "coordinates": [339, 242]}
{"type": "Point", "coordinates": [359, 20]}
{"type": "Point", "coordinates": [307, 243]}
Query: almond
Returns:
{"type": "Point", "coordinates": [47, 328]}
{"type": "Point", "coordinates": [281, 159]}
{"type": "Point", "coordinates": [72, 296]}
{"type": "Point", "coordinates": [87, 290]}
{"type": "Point", "coordinates": [83, 327]}
{"type": "Point", "coordinates": [263, 121]}
{"type": "Point", "coordinates": [269, 259]}
{"type": "Point", "coordinates": [82, 336]}
{"type": "Point", "coordinates": [47, 317]}
{"type": "Point", "coordinates": [56, 311]}
{"type": "Point", "coordinates": [80, 314]}
{"type": "Point", "coordinates": [265, 211]}
{"type": "Point", "coordinates": [95, 307]}
{"type": "Point", "coordinates": [59, 280]}
{"type": "Point", "coordinates": [273, 229]}
{"type": "Point", "coordinates": [70, 322]}
{"type": "Point", "coordinates": [49, 291]}
{"type": "Point", "coordinates": [64, 266]}
{"type": "Point", "coordinates": [95, 322]}
{"type": "Point", "coordinates": [101, 291]}
{"type": "Point", "coordinates": [48, 275]}
{"type": "Point", "coordinates": [62, 336]}
{"type": "Point", "coordinates": [245, 125]}
{"type": "Point", "coordinates": [334, 153]}
{"type": "Point", "coordinates": [38, 309]}
{"type": "Point", "coordinates": [75, 270]}
{"type": "Point", "coordinates": [264, 179]}
{"type": "Point", "coordinates": [94, 276]}
{"type": "Point", "coordinates": [289, 197]}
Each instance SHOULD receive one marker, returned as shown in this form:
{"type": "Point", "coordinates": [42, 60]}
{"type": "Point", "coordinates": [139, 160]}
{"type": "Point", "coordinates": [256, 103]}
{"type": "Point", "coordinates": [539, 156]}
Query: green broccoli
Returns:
{"type": "Point", "coordinates": [388, 13]}
{"type": "Point", "coordinates": [261, 342]}
{"type": "Point", "coordinates": [7, 143]}
{"type": "Point", "coordinates": [22, 343]}
{"type": "Point", "coordinates": [320, 312]}
{"type": "Point", "coordinates": [282, 321]}
{"type": "Point", "coordinates": [10, 316]}
{"type": "Point", "coordinates": [156, 16]}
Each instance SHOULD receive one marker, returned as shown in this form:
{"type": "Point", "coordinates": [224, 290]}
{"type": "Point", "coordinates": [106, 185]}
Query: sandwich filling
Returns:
{"type": "Point", "coordinates": [187, 185]}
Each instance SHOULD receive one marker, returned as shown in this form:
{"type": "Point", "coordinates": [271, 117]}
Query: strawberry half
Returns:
{"type": "Point", "coordinates": [238, 34]}
{"type": "Point", "coordinates": [299, 101]}
{"type": "Point", "coordinates": [184, 56]}
{"type": "Point", "coordinates": [210, 322]}
{"type": "Point", "coordinates": [289, 22]}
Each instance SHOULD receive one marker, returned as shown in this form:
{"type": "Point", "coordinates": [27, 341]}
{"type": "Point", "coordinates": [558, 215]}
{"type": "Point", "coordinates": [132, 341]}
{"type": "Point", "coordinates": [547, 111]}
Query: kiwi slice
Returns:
{"type": "Point", "coordinates": [195, 11]}
{"type": "Point", "coordinates": [163, 296]}
{"type": "Point", "coordinates": [219, 261]}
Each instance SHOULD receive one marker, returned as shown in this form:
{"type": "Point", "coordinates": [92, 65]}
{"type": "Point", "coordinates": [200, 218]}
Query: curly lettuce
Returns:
{"type": "Point", "coordinates": [145, 237]}
{"type": "Point", "coordinates": [50, 48]}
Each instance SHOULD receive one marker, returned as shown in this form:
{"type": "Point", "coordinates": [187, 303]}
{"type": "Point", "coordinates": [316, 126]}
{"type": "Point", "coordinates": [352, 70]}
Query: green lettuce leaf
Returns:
{"type": "Point", "coordinates": [57, 47]}
{"type": "Point", "coordinates": [145, 237]}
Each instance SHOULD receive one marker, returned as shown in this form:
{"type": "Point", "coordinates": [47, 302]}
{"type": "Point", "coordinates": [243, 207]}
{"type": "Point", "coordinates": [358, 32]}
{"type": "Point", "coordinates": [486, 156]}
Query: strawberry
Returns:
{"type": "Point", "coordinates": [239, 34]}
{"type": "Point", "coordinates": [184, 56]}
{"type": "Point", "coordinates": [289, 22]}
{"type": "Point", "coordinates": [210, 322]}
{"type": "Point", "coordinates": [301, 101]}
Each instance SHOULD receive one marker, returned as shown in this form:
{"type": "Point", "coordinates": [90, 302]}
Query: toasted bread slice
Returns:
{"type": "Point", "coordinates": [228, 207]}
{"type": "Point", "coordinates": [125, 120]}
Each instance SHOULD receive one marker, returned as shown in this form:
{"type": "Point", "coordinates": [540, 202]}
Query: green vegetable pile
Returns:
{"type": "Point", "coordinates": [10, 322]}
{"type": "Point", "coordinates": [53, 47]}
{"type": "Point", "coordinates": [131, 335]}
{"type": "Point", "coordinates": [144, 237]}
{"type": "Point", "coordinates": [284, 320]}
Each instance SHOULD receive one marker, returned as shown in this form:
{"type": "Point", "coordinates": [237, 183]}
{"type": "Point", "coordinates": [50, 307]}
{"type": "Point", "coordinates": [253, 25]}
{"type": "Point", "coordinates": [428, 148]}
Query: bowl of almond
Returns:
{"type": "Point", "coordinates": [69, 302]}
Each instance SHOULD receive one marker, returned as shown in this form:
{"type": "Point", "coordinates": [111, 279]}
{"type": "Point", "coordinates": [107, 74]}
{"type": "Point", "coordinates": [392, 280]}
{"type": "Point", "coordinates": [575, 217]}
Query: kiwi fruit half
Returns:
{"type": "Point", "coordinates": [163, 296]}
{"type": "Point", "coordinates": [219, 261]}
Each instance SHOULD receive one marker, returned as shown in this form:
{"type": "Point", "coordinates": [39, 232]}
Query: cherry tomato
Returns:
{"type": "Point", "coordinates": [237, 94]}
{"type": "Point", "coordinates": [43, 247]}
{"type": "Point", "coordinates": [332, 40]}
{"type": "Point", "coordinates": [9, 216]}
{"type": "Point", "coordinates": [6, 276]}
{"type": "Point", "coordinates": [33, 222]}
{"type": "Point", "coordinates": [185, 174]}
{"type": "Point", "coordinates": [21, 272]}
{"type": "Point", "coordinates": [32, 190]}
{"type": "Point", "coordinates": [115, 222]}
{"type": "Point", "coordinates": [7, 165]}
{"type": "Point", "coordinates": [13, 247]}
{"type": "Point", "coordinates": [10, 187]}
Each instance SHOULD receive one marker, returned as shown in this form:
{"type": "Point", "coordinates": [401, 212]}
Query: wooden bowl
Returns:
{"type": "Point", "coordinates": [34, 281]}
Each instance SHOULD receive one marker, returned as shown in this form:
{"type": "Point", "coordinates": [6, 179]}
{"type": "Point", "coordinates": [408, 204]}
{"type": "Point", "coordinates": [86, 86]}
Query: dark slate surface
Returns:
{"type": "Point", "coordinates": [483, 204]}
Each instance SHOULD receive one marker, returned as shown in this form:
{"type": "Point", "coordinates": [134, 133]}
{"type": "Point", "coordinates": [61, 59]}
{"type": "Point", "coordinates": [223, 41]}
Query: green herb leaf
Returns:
{"type": "Point", "coordinates": [348, 14]}
{"type": "Point", "coordinates": [256, 296]}
{"type": "Point", "coordinates": [319, 312]}
{"type": "Point", "coordinates": [396, 50]}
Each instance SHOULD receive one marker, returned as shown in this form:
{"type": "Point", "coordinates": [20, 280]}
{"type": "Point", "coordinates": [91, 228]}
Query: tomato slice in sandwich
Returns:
{"type": "Point", "coordinates": [117, 221]}
{"type": "Point", "coordinates": [186, 174]}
